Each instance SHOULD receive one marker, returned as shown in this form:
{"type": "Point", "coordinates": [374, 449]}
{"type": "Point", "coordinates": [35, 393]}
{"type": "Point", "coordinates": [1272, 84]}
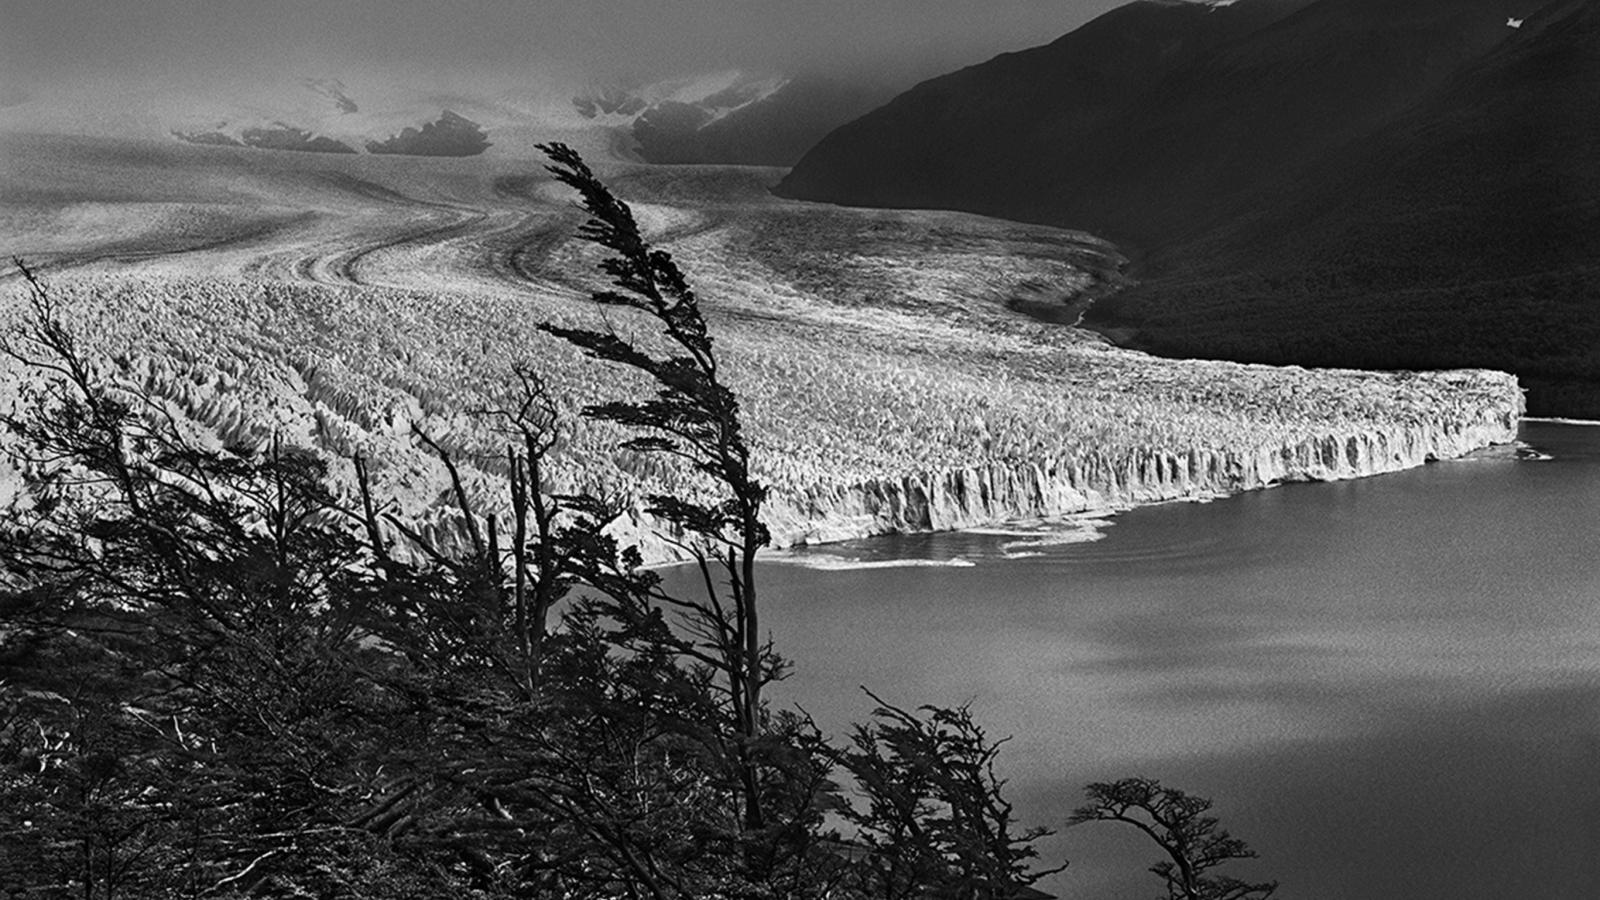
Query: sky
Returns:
{"type": "Point", "coordinates": [47, 43]}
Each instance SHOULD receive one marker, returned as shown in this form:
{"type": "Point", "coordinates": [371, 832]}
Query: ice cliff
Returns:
{"type": "Point", "coordinates": [1000, 491]}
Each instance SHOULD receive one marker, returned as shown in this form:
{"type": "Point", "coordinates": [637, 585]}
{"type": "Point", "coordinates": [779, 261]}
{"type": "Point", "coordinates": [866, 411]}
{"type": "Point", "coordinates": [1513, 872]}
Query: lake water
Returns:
{"type": "Point", "coordinates": [1391, 686]}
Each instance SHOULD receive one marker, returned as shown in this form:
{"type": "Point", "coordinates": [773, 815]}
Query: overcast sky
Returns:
{"type": "Point", "coordinates": [61, 41]}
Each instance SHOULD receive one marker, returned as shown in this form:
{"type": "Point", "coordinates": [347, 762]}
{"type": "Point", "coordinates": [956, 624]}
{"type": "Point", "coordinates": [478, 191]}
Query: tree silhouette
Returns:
{"type": "Point", "coordinates": [694, 417]}
{"type": "Point", "coordinates": [935, 821]}
{"type": "Point", "coordinates": [1177, 822]}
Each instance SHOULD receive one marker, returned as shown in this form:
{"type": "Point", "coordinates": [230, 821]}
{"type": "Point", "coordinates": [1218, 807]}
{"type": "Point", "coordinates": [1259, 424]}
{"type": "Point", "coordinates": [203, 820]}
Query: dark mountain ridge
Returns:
{"type": "Point", "coordinates": [1007, 137]}
{"type": "Point", "coordinates": [1391, 183]}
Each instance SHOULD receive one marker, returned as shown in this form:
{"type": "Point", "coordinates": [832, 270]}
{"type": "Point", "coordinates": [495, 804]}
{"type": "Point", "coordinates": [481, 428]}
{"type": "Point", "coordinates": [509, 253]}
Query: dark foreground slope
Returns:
{"type": "Point", "coordinates": [1390, 183]}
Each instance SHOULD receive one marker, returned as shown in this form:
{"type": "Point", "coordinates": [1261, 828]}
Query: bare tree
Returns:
{"type": "Point", "coordinates": [513, 581]}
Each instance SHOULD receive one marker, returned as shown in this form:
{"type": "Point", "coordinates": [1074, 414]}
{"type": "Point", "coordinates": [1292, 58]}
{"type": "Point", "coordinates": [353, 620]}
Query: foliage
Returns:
{"type": "Point", "coordinates": [935, 821]}
{"type": "Point", "coordinates": [1178, 823]}
{"type": "Point", "coordinates": [186, 689]}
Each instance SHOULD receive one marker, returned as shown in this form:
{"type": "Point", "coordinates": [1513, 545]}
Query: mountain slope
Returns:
{"type": "Point", "coordinates": [1007, 136]}
{"type": "Point", "coordinates": [1387, 183]}
{"type": "Point", "coordinates": [1465, 231]}
{"type": "Point", "coordinates": [1140, 124]}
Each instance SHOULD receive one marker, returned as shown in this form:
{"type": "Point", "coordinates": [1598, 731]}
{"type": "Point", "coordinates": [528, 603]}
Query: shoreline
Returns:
{"type": "Point", "coordinates": [1560, 420]}
{"type": "Point", "coordinates": [994, 494]}
{"type": "Point", "coordinates": [998, 494]}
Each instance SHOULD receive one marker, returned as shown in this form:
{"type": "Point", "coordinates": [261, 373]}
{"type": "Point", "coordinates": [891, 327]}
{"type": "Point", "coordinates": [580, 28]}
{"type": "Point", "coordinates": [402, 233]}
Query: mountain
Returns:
{"type": "Point", "coordinates": [449, 135]}
{"type": "Point", "coordinates": [732, 117]}
{"type": "Point", "coordinates": [1030, 135]}
{"type": "Point", "coordinates": [729, 117]}
{"type": "Point", "coordinates": [1464, 231]}
{"type": "Point", "coordinates": [1388, 183]}
{"type": "Point", "coordinates": [335, 123]}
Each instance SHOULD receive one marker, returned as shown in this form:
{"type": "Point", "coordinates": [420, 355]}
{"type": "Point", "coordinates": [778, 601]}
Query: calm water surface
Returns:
{"type": "Point", "coordinates": [1390, 686]}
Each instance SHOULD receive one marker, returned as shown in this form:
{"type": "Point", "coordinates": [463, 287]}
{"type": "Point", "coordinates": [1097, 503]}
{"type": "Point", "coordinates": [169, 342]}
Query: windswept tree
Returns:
{"type": "Point", "coordinates": [1195, 843]}
{"type": "Point", "coordinates": [694, 417]}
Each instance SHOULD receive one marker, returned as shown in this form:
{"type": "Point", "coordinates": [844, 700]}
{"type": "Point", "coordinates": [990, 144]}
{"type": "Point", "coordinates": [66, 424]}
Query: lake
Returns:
{"type": "Point", "coordinates": [1391, 686]}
